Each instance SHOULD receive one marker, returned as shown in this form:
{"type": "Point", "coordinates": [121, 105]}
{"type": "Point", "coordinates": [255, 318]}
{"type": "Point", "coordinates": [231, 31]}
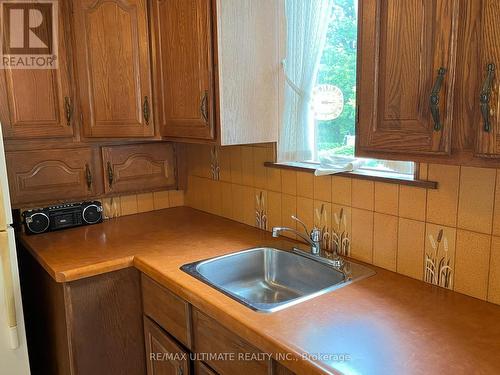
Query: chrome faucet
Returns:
{"type": "Point", "coordinates": [313, 238]}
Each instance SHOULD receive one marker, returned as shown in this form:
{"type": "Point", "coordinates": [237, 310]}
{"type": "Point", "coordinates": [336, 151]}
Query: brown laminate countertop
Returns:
{"type": "Point", "coordinates": [385, 324]}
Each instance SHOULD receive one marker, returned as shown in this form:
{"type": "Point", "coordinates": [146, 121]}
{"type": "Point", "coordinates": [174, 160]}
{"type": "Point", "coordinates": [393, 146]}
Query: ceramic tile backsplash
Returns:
{"type": "Point", "coordinates": [389, 225]}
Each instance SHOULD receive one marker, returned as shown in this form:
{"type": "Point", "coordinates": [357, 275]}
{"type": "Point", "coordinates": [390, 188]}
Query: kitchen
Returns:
{"type": "Point", "coordinates": [236, 186]}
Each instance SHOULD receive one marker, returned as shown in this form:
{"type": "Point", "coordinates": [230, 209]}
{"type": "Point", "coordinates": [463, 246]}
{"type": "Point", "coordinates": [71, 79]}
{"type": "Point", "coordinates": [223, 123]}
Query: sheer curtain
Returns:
{"type": "Point", "coordinates": [306, 27]}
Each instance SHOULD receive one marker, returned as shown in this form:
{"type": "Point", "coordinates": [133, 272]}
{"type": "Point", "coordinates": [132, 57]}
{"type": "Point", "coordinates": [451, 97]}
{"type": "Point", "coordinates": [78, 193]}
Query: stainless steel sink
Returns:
{"type": "Point", "coordinates": [267, 279]}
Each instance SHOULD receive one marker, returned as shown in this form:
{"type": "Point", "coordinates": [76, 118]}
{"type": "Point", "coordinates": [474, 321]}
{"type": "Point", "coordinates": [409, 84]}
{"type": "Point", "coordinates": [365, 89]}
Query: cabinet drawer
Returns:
{"type": "Point", "coordinates": [211, 337]}
{"type": "Point", "coordinates": [50, 175]}
{"type": "Point", "coordinates": [169, 311]}
{"type": "Point", "coordinates": [138, 167]}
{"type": "Point", "coordinates": [164, 356]}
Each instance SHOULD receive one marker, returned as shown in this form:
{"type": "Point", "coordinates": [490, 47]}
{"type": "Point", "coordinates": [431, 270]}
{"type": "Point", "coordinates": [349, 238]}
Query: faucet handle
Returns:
{"type": "Point", "coordinates": [301, 222]}
{"type": "Point", "coordinates": [315, 234]}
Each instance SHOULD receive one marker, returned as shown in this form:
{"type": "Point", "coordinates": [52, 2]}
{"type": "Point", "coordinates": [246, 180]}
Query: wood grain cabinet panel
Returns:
{"type": "Point", "coordinates": [113, 67]}
{"type": "Point", "coordinates": [402, 46]}
{"type": "Point", "coordinates": [50, 175]}
{"type": "Point", "coordinates": [211, 337]}
{"type": "Point", "coordinates": [488, 98]}
{"type": "Point", "coordinates": [39, 103]}
{"type": "Point", "coordinates": [202, 369]}
{"type": "Point", "coordinates": [182, 47]}
{"type": "Point", "coordinates": [165, 356]}
{"type": "Point", "coordinates": [138, 167]}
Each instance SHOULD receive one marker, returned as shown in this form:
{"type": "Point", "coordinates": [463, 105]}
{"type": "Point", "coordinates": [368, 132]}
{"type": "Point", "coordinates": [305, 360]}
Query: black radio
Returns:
{"type": "Point", "coordinates": [62, 216]}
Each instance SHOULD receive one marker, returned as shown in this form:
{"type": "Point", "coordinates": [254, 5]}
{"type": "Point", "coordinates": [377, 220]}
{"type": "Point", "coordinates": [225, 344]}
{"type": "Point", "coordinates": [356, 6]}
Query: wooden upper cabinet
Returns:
{"type": "Point", "coordinates": [488, 98]}
{"type": "Point", "coordinates": [138, 167]}
{"type": "Point", "coordinates": [39, 103]}
{"type": "Point", "coordinates": [112, 54]}
{"type": "Point", "coordinates": [406, 74]}
{"type": "Point", "coordinates": [50, 175]}
{"type": "Point", "coordinates": [182, 68]}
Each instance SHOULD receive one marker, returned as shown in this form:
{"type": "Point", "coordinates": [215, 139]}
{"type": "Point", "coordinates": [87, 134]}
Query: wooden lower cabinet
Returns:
{"type": "Point", "coordinates": [138, 167]}
{"type": "Point", "coordinates": [50, 175]}
{"type": "Point", "coordinates": [164, 355]}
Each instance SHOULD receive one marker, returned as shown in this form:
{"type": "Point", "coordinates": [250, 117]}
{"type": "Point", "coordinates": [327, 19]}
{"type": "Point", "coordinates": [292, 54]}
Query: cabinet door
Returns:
{"type": "Point", "coordinates": [183, 76]}
{"type": "Point", "coordinates": [163, 355]}
{"type": "Point", "coordinates": [50, 175]}
{"type": "Point", "coordinates": [403, 44]}
{"type": "Point", "coordinates": [141, 167]}
{"type": "Point", "coordinates": [202, 369]}
{"type": "Point", "coordinates": [112, 52]}
{"type": "Point", "coordinates": [39, 103]}
{"type": "Point", "coordinates": [488, 106]}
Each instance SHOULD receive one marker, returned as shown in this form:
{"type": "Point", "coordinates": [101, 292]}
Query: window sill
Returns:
{"type": "Point", "coordinates": [387, 177]}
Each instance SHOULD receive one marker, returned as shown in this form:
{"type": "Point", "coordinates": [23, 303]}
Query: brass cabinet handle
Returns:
{"type": "Point", "coordinates": [68, 108]}
{"type": "Point", "coordinates": [204, 106]}
{"type": "Point", "coordinates": [111, 175]}
{"type": "Point", "coordinates": [485, 96]}
{"type": "Point", "coordinates": [88, 175]}
{"type": "Point", "coordinates": [434, 99]}
{"type": "Point", "coordinates": [145, 110]}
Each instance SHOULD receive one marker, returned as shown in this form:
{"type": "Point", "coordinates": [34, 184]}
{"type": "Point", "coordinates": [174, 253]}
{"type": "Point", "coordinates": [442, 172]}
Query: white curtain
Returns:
{"type": "Point", "coordinates": [306, 27]}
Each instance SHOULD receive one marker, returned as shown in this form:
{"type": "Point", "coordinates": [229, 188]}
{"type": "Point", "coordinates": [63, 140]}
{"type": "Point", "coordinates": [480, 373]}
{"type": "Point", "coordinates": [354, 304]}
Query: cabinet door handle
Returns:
{"type": "Point", "coordinates": [434, 99]}
{"type": "Point", "coordinates": [180, 371]}
{"type": "Point", "coordinates": [111, 175]}
{"type": "Point", "coordinates": [88, 176]}
{"type": "Point", "coordinates": [204, 106]}
{"type": "Point", "coordinates": [145, 110]}
{"type": "Point", "coordinates": [485, 96]}
{"type": "Point", "coordinates": [68, 109]}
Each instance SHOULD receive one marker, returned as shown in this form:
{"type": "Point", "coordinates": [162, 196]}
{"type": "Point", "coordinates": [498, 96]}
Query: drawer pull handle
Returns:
{"type": "Point", "coordinates": [180, 371]}
{"type": "Point", "coordinates": [145, 110]}
{"type": "Point", "coordinates": [111, 175]}
{"type": "Point", "coordinates": [434, 99]}
{"type": "Point", "coordinates": [204, 106]}
{"type": "Point", "coordinates": [68, 109]}
{"type": "Point", "coordinates": [88, 175]}
{"type": "Point", "coordinates": [485, 96]}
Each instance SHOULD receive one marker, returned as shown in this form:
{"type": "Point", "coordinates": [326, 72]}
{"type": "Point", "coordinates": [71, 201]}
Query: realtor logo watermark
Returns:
{"type": "Point", "coordinates": [28, 34]}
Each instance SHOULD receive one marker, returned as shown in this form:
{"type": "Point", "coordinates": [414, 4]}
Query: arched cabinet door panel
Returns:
{"type": "Point", "coordinates": [138, 167]}
{"type": "Point", "coordinates": [406, 76]}
{"type": "Point", "coordinates": [50, 175]}
{"type": "Point", "coordinates": [113, 67]}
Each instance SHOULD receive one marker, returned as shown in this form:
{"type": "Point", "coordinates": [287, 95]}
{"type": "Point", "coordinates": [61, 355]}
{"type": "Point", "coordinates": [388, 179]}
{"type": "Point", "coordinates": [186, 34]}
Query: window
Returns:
{"type": "Point", "coordinates": [320, 97]}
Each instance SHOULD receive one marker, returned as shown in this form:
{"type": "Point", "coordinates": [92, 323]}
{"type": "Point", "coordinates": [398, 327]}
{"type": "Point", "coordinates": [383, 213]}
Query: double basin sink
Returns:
{"type": "Point", "coordinates": [267, 279]}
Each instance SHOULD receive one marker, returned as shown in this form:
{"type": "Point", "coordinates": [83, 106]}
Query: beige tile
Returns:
{"type": "Point", "coordinates": [145, 202]}
{"type": "Point", "coordinates": [128, 204]}
{"type": "Point", "coordinates": [442, 203]}
{"type": "Point", "coordinates": [494, 279]}
{"type": "Point", "coordinates": [362, 235]}
{"type": "Point", "coordinates": [227, 201]}
{"type": "Point", "coordinates": [248, 205]}
{"type": "Point", "coordinates": [496, 213]}
{"type": "Point", "coordinates": [192, 196]}
{"type": "Point", "coordinates": [273, 209]}
{"type": "Point", "coordinates": [161, 199]}
{"type": "Point", "coordinates": [322, 186]}
{"type": "Point", "coordinates": [199, 160]}
{"type": "Point", "coordinates": [362, 194]}
{"type": "Point", "coordinates": [288, 208]}
{"type": "Point", "coordinates": [423, 171]}
{"type": "Point", "coordinates": [475, 202]}
{"type": "Point", "coordinates": [305, 185]}
{"type": "Point", "coordinates": [259, 171]}
{"type": "Point", "coordinates": [260, 209]}
{"type": "Point", "coordinates": [273, 179]}
{"type": "Point", "coordinates": [386, 198]}
{"type": "Point", "coordinates": [289, 182]}
{"type": "Point", "coordinates": [410, 256]}
{"type": "Point", "coordinates": [236, 164]}
{"type": "Point", "coordinates": [176, 198]}
{"type": "Point", "coordinates": [247, 163]}
{"type": "Point", "coordinates": [472, 260]}
{"type": "Point", "coordinates": [305, 212]}
{"type": "Point", "coordinates": [215, 197]}
{"type": "Point", "coordinates": [412, 202]}
{"type": "Point", "coordinates": [438, 250]}
{"type": "Point", "coordinates": [225, 164]}
{"type": "Point", "coordinates": [385, 241]}
{"type": "Point", "coordinates": [341, 190]}
{"type": "Point", "coordinates": [237, 210]}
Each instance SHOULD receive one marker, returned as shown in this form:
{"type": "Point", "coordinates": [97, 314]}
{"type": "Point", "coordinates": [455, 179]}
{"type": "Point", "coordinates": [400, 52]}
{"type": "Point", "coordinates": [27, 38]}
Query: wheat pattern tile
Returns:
{"type": "Point", "coordinates": [439, 257]}
{"type": "Point", "coordinates": [477, 194]}
{"type": "Point", "coordinates": [472, 263]}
